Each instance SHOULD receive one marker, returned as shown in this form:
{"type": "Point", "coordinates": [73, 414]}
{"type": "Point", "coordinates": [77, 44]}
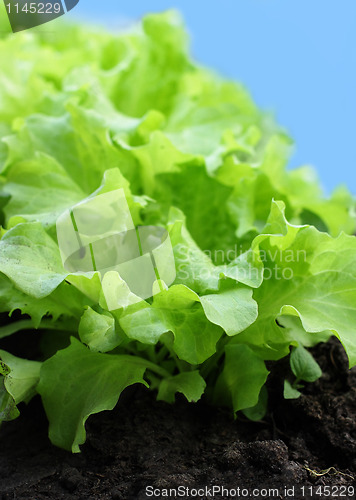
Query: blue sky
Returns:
{"type": "Point", "coordinates": [297, 57]}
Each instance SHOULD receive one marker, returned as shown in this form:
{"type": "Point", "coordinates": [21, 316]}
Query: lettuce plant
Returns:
{"type": "Point", "coordinates": [264, 264]}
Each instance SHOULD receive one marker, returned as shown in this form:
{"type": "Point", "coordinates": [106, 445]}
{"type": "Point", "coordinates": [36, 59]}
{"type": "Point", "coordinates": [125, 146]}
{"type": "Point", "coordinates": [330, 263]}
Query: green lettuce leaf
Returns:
{"type": "Point", "coordinates": [75, 383]}
{"type": "Point", "coordinates": [307, 274]}
{"type": "Point", "coordinates": [98, 331]}
{"type": "Point", "coordinates": [31, 260]}
{"type": "Point", "coordinates": [242, 378]}
{"type": "Point", "coordinates": [190, 384]}
{"type": "Point", "coordinates": [303, 365]}
{"type": "Point", "coordinates": [18, 381]}
{"type": "Point", "coordinates": [177, 310]}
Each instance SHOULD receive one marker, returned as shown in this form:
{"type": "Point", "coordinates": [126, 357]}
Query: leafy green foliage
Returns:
{"type": "Point", "coordinates": [191, 384]}
{"type": "Point", "coordinates": [265, 264]}
{"type": "Point", "coordinates": [93, 383]}
{"type": "Point", "coordinates": [98, 331]}
{"type": "Point", "coordinates": [242, 378]}
{"type": "Point", "coordinates": [303, 365]}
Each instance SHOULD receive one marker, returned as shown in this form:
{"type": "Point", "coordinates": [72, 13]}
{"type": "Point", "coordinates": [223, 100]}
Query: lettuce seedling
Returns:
{"type": "Point", "coordinates": [152, 234]}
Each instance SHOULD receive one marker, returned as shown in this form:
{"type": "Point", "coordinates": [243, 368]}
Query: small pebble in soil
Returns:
{"type": "Point", "coordinates": [71, 478]}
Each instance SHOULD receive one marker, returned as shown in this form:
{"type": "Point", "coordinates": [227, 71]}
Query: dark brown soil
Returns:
{"type": "Point", "coordinates": [147, 443]}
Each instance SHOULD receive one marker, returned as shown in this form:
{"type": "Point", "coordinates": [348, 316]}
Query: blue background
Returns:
{"type": "Point", "coordinates": [297, 57]}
